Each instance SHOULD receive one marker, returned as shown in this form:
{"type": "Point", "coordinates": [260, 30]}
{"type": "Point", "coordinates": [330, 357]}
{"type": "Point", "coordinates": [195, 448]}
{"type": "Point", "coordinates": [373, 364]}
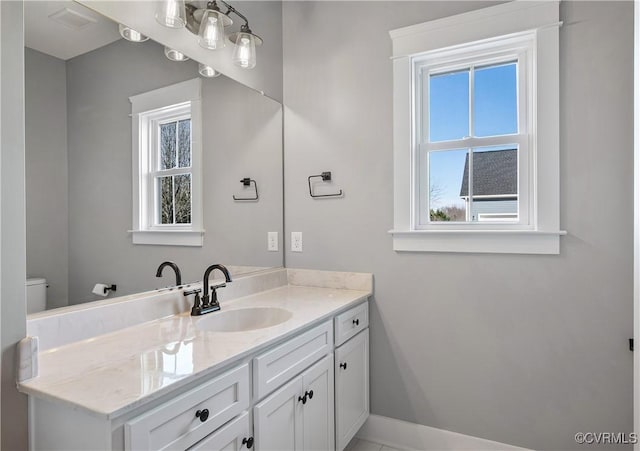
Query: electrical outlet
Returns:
{"type": "Point", "coordinates": [272, 241]}
{"type": "Point", "coordinates": [296, 241]}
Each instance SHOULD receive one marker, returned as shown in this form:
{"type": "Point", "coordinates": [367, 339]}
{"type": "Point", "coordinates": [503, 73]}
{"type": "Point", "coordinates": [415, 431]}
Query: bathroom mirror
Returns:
{"type": "Point", "coordinates": [79, 77]}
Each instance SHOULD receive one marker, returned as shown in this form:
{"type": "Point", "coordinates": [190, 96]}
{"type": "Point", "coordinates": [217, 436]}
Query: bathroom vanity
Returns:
{"type": "Point", "coordinates": [283, 368]}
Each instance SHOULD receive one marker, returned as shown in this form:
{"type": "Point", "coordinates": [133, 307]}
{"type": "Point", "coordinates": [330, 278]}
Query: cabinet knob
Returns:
{"type": "Point", "coordinates": [356, 322]}
{"type": "Point", "coordinates": [248, 442]}
{"type": "Point", "coordinates": [303, 399]}
{"type": "Point", "coordinates": [203, 415]}
{"type": "Point", "coordinates": [309, 394]}
{"type": "Point", "coordinates": [343, 365]}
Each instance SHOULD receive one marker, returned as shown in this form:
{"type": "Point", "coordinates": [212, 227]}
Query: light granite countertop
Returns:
{"type": "Point", "coordinates": [114, 373]}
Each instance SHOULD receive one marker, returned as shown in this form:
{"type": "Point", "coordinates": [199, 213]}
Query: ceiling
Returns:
{"type": "Point", "coordinates": [82, 31]}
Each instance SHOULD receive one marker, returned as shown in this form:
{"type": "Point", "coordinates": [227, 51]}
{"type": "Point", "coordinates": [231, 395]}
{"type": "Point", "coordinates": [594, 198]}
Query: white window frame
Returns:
{"type": "Point", "coordinates": [152, 121]}
{"type": "Point", "coordinates": [516, 48]}
{"type": "Point", "coordinates": [148, 110]}
{"type": "Point", "coordinates": [529, 31]}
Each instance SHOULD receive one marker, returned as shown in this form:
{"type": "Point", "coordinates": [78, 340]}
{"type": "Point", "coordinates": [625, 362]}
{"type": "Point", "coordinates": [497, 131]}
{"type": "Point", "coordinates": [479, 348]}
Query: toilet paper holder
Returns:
{"type": "Point", "coordinates": [105, 288]}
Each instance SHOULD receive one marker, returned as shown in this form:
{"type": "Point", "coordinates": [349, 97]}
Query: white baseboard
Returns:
{"type": "Point", "coordinates": [404, 435]}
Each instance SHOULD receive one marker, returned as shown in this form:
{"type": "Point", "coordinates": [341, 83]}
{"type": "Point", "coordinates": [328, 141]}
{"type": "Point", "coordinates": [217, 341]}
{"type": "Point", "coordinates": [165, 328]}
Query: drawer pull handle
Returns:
{"type": "Point", "coordinates": [248, 442]}
{"type": "Point", "coordinates": [203, 415]}
{"type": "Point", "coordinates": [356, 322]}
{"type": "Point", "coordinates": [343, 365]}
{"type": "Point", "coordinates": [303, 399]}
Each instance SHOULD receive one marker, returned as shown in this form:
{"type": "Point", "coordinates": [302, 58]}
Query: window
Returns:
{"type": "Point", "coordinates": [171, 167]}
{"type": "Point", "coordinates": [472, 129]}
{"type": "Point", "coordinates": [476, 139]}
{"type": "Point", "coordinates": [167, 166]}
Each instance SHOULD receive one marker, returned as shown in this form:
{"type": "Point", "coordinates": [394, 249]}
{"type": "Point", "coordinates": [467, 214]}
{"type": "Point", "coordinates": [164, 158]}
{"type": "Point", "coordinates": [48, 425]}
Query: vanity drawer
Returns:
{"type": "Point", "coordinates": [229, 437]}
{"type": "Point", "coordinates": [279, 365]}
{"type": "Point", "coordinates": [178, 424]}
{"type": "Point", "coordinates": [349, 323]}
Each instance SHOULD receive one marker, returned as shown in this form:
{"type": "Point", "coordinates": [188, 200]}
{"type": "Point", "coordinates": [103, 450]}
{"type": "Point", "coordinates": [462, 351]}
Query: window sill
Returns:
{"type": "Point", "coordinates": [478, 241]}
{"type": "Point", "coordinates": [168, 237]}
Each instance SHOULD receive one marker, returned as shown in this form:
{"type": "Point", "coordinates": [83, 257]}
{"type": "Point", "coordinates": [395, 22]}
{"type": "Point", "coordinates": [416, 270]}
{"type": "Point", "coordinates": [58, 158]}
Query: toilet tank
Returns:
{"type": "Point", "coordinates": [36, 295]}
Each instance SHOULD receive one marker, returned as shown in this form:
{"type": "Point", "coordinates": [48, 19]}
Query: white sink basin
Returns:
{"type": "Point", "coordinates": [242, 320]}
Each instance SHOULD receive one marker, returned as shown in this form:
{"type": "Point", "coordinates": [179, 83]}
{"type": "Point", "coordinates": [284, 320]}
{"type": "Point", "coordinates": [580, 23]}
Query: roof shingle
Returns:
{"type": "Point", "coordinates": [495, 172]}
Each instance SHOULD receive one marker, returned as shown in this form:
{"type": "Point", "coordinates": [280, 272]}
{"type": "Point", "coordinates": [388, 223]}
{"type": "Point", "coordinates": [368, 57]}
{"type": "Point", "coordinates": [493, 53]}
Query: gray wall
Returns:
{"type": "Point", "coordinates": [520, 349]}
{"type": "Point", "coordinates": [242, 138]}
{"type": "Point", "coordinates": [12, 222]}
{"type": "Point", "coordinates": [46, 173]}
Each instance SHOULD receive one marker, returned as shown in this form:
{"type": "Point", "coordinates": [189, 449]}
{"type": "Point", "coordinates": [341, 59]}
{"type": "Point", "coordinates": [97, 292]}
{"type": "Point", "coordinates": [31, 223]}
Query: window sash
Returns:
{"type": "Point", "coordinates": [152, 197]}
{"type": "Point", "coordinates": [437, 63]}
{"type": "Point", "coordinates": [157, 125]}
{"type": "Point", "coordinates": [423, 220]}
{"type": "Point", "coordinates": [157, 209]}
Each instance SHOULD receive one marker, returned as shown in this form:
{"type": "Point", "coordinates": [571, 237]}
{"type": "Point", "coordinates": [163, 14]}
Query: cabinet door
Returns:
{"type": "Point", "coordinates": [235, 436]}
{"type": "Point", "coordinates": [317, 411]}
{"type": "Point", "coordinates": [277, 421]}
{"type": "Point", "coordinates": [352, 387]}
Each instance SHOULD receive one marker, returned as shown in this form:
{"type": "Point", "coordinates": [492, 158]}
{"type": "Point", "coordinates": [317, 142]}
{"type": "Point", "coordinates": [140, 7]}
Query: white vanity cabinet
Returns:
{"type": "Point", "coordinates": [309, 391]}
{"type": "Point", "coordinates": [351, 372]}
{"type": "Point", "coordinates": [299, 416]}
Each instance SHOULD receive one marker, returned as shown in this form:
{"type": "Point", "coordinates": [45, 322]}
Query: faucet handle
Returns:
{"type": "Point", "coordinates": [220, 285]}
{"type": "Point", "coordinates": [190, 292]}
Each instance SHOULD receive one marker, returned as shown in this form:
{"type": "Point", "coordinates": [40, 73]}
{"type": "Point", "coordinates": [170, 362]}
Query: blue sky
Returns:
{"type": "Point", "coordinates": [495, 113]}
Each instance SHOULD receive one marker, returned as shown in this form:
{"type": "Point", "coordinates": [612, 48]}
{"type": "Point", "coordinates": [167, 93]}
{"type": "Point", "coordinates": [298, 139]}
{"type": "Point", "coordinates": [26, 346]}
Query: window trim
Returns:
{"type": "Point", "coordinates": [148, 109]}
{"type": "Point", "coordinates": [456, 33]}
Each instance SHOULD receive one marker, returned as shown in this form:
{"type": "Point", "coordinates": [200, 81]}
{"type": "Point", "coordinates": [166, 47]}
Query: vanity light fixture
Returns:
{"type": "Point", "coordinates": [207, 71]}
{"type": "Point", "coordinates": [244, 53]}
{"type": "Point", "coordinates": [175, 55]}
{"type": "Point", "coordinates": [211, 31]}
{"type": "Point", "coordinates": [130, 34]}
{"type": "Point", "coordinates": [171, 13]}
{"type": "Point", "coordinates": [209, 25]}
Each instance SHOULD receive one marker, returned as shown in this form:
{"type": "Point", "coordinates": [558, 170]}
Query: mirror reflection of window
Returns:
{"type": "Point", "coordinates": [79, 172]}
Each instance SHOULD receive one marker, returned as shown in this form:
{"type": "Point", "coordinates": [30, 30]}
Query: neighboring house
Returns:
{"type": "Point", "coordinates": [495, 186]}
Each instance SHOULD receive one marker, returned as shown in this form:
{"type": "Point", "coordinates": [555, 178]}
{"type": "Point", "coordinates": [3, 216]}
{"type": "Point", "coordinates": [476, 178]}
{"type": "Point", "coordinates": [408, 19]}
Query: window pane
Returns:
{"type": "Point", "coordinates": [495, 184]}
{"type": "Point", "coordinates": [182, 186]}
{"type": "Point", "coordinates": [165, 198]}
{"type": "Point", "coordinates": [495, 100]}
{"type": "Point", "coordinates": [168, 145]}
{"type": "Point", "coordinates": [184, 143]}
{"type": "Point", "coordinates": [447, 172]}
{"type": "Point", "coordinates": [449, 106]}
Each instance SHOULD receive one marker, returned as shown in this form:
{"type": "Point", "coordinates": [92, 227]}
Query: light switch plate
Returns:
{"type": "Point", "coordinates": [272, 241]}
{"type": "Point", "coordinates": [296, 241]}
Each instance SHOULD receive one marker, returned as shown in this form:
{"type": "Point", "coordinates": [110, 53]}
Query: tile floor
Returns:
{"type": "Point", "coordinates": [362, 445]}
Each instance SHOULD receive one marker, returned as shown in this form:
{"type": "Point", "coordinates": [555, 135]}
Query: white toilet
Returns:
{"type": "Point", "coordinates": [36, 295]}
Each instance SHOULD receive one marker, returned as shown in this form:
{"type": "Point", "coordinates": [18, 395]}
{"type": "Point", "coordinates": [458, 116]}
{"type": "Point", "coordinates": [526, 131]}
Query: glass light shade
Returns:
{"type": "Point", "coordinates": [175, 55]}
{"type": "Point", "coordinates": [171, 13]}
{"type": "Point", "coordinates": [130, 34]}
{"type": "Point", "coordinates": [211, 33]}
{"type": "Point", "coordinates": [207, 71]}
{"type": "Point", "coordinates": [244, 53]}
